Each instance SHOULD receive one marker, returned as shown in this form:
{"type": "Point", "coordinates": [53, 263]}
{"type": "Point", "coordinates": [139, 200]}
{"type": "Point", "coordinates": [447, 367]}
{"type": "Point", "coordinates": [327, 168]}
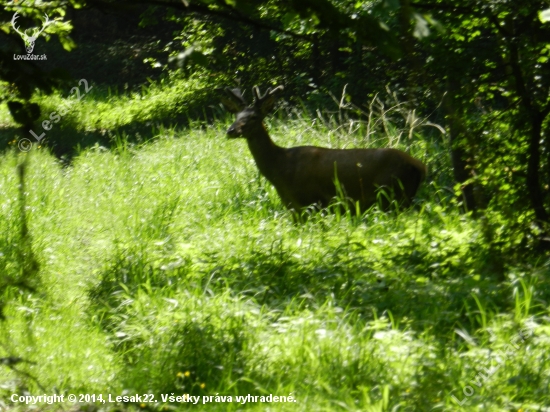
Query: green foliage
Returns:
{"type": "Point", "coordinates": [171, 267]}
{"type": "Point", "coordinates": [488, 90]}
{"type": "Point", "coordinates": [496, 99]}
{"type": "Point", "coordinates": [168, 265]}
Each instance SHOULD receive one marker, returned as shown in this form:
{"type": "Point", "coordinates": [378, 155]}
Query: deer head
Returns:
{"type": "Point", "coordinates": [30, 40]}
{"type": "Point", "coordinates": [252, 116]}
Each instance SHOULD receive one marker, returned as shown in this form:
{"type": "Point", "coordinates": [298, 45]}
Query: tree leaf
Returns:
{"type": "Point", "coordinates": [421, 28]}
{"type": "Point", "coordinates": [544, 15]}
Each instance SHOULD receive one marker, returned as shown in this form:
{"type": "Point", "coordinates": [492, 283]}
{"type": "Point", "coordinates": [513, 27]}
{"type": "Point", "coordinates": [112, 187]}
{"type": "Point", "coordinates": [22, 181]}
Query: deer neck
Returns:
{"type": "Point", "coordinates": [267, 155]}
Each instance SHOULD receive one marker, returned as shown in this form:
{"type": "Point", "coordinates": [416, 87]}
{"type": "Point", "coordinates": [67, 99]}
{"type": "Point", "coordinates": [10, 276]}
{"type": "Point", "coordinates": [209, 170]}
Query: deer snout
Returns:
{"type": "Point", "coordinates": [234, 131]}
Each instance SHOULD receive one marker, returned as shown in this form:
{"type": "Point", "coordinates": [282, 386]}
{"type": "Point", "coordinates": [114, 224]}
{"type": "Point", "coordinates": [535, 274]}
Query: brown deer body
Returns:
{"type": "Point", "coordinates": [306, 175]}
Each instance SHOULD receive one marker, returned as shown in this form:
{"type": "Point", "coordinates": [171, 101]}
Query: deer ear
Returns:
{"type": "Point", "coordinates": [232, 99]}
{"type": "Point", "coordinates": [266, 103]}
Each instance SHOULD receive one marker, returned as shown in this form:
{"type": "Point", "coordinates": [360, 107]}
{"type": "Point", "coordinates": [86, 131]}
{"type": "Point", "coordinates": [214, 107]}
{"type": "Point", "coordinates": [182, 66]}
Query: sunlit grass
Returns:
{"type": "Point", "coordinates": [172, 267]}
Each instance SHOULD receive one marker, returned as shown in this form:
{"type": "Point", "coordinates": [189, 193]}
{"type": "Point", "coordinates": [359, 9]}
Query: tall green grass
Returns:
{"type": "Point", "coordinates": [172, 267]}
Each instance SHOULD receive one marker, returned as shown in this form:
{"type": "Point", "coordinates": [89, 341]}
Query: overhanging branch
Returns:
{"type": "Point", "coordinates": [228, 14]}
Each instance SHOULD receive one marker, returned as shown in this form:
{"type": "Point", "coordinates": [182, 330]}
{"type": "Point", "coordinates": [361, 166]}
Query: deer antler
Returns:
{"type": "Point", "coordinates": [15, 17]}
{"type": "Point", "coordinates": [269, 93]}
{"type": "Point", "coordinates": [46, 23]}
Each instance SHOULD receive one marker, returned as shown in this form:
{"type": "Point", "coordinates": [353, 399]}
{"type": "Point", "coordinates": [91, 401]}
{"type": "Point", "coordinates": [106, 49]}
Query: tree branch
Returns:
{"type": "Point", "coordinates": [230, 14]}
{"type": "Point", "coordinates": [442, 7]}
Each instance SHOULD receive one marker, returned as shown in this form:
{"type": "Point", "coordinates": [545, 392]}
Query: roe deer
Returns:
{"type": "Point", "coordinates": [306, 175]}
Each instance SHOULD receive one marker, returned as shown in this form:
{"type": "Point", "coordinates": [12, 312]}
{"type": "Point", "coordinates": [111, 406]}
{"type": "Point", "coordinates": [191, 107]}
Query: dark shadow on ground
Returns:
{"type": "Point", "coordinates": [66, 138]}
{"type": "Point", "coordinates": [278, 279]}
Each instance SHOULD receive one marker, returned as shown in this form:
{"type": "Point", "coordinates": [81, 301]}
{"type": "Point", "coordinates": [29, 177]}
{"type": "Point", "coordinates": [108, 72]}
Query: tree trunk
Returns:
{"type": "Point", "coordinates": [533, 164]}
{"type": "Point", "coordinates": [316, 61]}
{"type": "Point", "coordinates": [535, 117]}
{"type": "Point", "coordinates": [462, 166]}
